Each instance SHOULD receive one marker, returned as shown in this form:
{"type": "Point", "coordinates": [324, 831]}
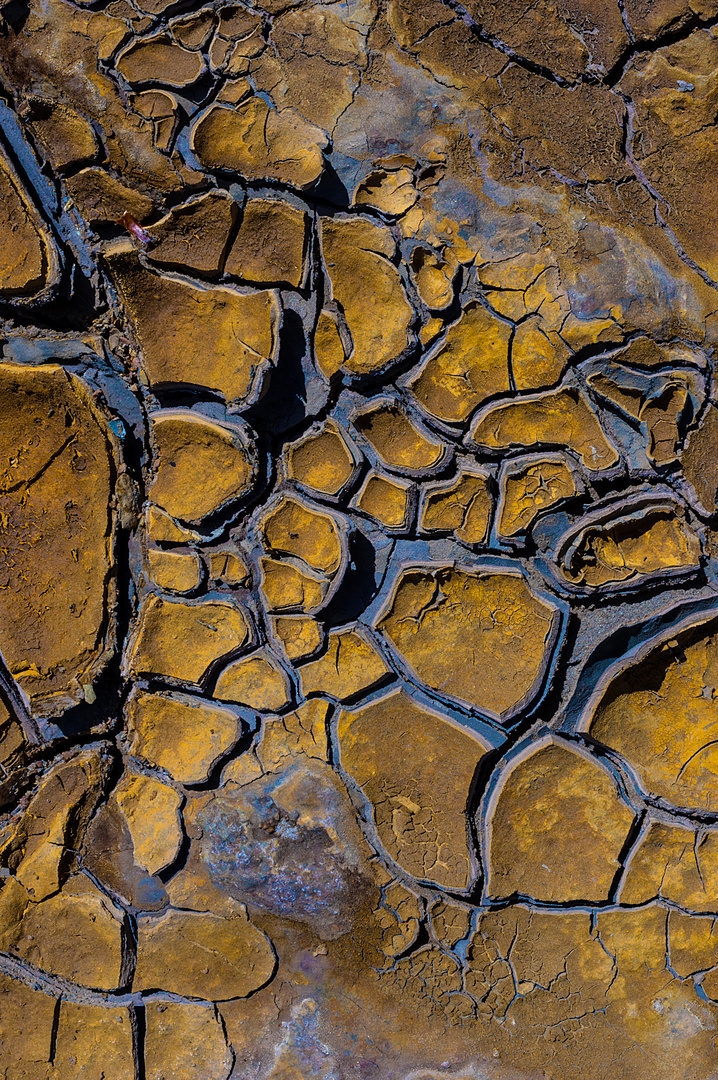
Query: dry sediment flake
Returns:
{"type": "Point", "coordinates": [364, 280]}
{"type": "Point", "coordinates": [191, 1036]}
{"type": "Point", "coordinates": [530, 490]}
{"type": "Point", "coordinates": [674, 863]}
{"type": "Point", "coordinates": [257, 681]}
{"type": "Point", "coordinates": [76, 934]}
{"type": "Point", "coordinates": [469, 365]}
{"type": "Point", "coordinates": [184, 735]}
{"type": "Point", "coordinates": [454, 627]}
{"type": "Point", "coordinates": [394, 750]}
{"type": "Point", "coordinates": [462, 506]}
{"type": "Point", "coordinates": [57, 525]}
{"type": "Point", "coordinates": [151, 810]}
{"type": "Point", "coordinates": [201, 465]}
{"type": "Point", "coordinates": [213, 336]}
{"type": "Point", "coordinates": [194, 237]}
{"type": "Point", "coordinates": [260, 142]}
{"type": "Point", "coordinates": [403, 366]}
{"type": "Point", "coordinates": [659, 714]}
{"type": "Point", "coordinates": [631, 548]}
{"type": "Point", "coordinates": [561, 418]}
{"type": "Point", "coordinates": [557, 828]}
{"type": "Point", "coordinates": [294, 529]}
{"type": "Point", "coordinates": [201, 955]}
{"type": "Point", "coordinates": [322, 461]}
{"type": "Point", "coordinates": [270, 244]}
{"type": "Point", "coordinates": [400, 444]}
{"type": "Point", "coordinates": [215, 627]}
{"type": "Point", "coordinates": [29, 263]}
{"type": "Point", "coordinates": [387, 500]}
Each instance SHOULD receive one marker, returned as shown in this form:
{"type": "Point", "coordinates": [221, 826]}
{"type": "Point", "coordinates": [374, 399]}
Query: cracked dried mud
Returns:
{"type": "Point", "coordinates": [358, 540]}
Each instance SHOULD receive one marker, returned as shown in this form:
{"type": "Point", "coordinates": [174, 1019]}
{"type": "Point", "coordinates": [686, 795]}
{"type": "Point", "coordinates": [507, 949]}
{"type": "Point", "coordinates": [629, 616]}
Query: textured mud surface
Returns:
{"type": "Point", "coordinates": [358, 540]}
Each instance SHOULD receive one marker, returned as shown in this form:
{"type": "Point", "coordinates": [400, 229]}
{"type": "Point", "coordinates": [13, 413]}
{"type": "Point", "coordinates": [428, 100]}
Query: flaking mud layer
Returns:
{"type": "Point", "coordinates": [358, 540]}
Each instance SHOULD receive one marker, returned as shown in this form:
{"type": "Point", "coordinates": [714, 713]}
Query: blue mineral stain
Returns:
{"type": "Point", "coordinates": [289, 843]}
{"type": "Point", "coordinates": [117, 427]}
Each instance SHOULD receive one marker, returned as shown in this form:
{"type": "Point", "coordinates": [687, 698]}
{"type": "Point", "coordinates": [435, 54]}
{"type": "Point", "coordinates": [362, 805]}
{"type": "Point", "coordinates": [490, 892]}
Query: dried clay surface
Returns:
{"type": "Point", "coordinates": [358, 540]}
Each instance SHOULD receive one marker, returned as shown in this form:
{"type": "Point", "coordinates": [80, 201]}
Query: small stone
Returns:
{"type": "Point", "coordinates": [179, 572]}
{"type": "Point", "coordinates": [215, 628]}
{"type": "Point", "coordinates": [416, 768]}
{"type": "Point", "coordinates": [188, 1036]}
{"type": "Point", "coordinates": [202, 955]}
{"type": "Point", "coordinates": [270, 244]}
{"type": "Point", "coordinates": [186, 736]}
{"type": "Point", "coordinates": [350, 665]}
{"type": "Point", "coordinates": [256, 681]}
{"type": "Point", "coordinates": [557, 827]}
{"type": "Point", "coordinates": [152, 812]}
{"type": "Point", "coordinates": [289, 842]}
{"type": "Point", "coordinates": [202, 465]}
